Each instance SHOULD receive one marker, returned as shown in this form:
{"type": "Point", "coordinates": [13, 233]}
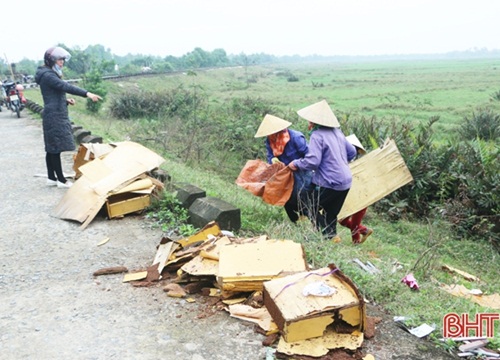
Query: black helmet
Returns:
{"type": "Point", "coordinates": [55, 53]}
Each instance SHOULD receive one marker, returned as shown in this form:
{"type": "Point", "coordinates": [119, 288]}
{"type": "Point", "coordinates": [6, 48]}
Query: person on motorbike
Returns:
{"type": "Point", "coordinates": [57, 130]}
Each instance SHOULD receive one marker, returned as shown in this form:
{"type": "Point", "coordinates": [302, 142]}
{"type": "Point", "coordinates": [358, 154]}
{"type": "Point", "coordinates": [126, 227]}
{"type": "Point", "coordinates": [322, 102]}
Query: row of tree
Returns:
{"type": "Point", "coordinates": [97, 57]}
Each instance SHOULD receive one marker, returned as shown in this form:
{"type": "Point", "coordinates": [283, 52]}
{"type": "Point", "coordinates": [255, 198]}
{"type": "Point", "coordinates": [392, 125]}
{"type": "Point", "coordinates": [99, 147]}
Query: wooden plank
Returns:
{"type": "Point", "coordinates": [110, 270]}
{"type": "Point", "coordinates": [163, 254]}
{"type": "Point", "coordinates": [127, 206]}
{"type": "Point", "coordinates": [472, 345]}
{"type": "Point", "coordinates": [463, 274]}
{"type": "Point", "coordinates": [207, 262]}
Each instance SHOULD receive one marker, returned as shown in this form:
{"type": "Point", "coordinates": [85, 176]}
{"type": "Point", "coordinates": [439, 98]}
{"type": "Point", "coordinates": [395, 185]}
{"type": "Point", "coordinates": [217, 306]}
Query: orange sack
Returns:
{"type": "Point", "coordinates": [272, 182]}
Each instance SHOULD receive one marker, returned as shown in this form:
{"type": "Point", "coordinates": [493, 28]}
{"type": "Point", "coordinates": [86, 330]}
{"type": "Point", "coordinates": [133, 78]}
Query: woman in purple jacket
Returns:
{"type": "Point", "coordinates": [328, 156]}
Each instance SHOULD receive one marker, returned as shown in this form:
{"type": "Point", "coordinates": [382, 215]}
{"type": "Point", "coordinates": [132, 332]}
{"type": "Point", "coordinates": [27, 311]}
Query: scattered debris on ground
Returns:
{"type": "Point", "coordinates": [475, 294]}
{"type": "Point", "coordinates": [302, 312]}
{"type": "Point", "coordinates": [473, 347]}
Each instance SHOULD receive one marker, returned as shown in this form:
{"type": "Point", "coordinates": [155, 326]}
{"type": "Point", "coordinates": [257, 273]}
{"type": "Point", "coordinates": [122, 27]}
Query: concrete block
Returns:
{"type": "Point", "coordinates": [91, 139]}
{"type": "Point", "coordinates": [76, 127]}
{"type": "Point", "coordinates": [80, 134]}
{"type": "Point", "coordinates": [208, 209]}
{"type": "Point", "coordinates": [187, 193]}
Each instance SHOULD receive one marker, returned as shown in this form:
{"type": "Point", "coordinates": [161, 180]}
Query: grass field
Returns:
{"type": "Point", "coordinates": [405, 90]}
{"type": "Point", "coordinates": [412, 90]}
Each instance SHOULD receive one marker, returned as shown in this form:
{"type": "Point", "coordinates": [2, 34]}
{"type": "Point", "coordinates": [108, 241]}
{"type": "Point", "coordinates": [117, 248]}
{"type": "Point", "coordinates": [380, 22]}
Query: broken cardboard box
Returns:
{"type": "Point", "coordinates": [127, 163]}
{"type": "Point", "coordinates": [305, 304]}
{"type": "Point", "coordinates": [87, 152]}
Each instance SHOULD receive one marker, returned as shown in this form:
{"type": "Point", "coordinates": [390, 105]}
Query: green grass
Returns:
{"type": "Point", "coordinates": [411, 91]}
{"type": "Point", "coordinates": [407, 90]}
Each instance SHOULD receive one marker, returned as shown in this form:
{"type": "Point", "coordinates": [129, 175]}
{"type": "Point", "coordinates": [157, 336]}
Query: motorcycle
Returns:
{"type": "Point", "coordinates": [14, 97]}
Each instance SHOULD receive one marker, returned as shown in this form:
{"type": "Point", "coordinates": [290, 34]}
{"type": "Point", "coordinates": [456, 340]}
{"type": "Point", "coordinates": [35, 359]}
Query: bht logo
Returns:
{"type": "Point", "coordinates": [460, 326]}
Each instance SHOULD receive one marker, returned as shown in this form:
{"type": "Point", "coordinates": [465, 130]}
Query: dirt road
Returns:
{"type": "Point", "coordinates": [52, 307]}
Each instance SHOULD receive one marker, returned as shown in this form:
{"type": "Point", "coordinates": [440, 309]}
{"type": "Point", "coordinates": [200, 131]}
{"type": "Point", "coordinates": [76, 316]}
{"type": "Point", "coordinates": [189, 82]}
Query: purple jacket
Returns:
{"type": "Point", "coordinates": [329, 154]}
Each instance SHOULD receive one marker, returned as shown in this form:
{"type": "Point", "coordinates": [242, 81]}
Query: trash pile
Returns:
{"type": "Point", "coordinates": [110, 176]}
{"type": "Point", "coordinates": [473, 347]}
{"type": "Point", "coordinates": [264, 281]}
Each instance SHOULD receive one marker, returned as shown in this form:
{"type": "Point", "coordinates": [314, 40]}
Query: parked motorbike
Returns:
{"type": "Point", "coordinates": [14, 97]}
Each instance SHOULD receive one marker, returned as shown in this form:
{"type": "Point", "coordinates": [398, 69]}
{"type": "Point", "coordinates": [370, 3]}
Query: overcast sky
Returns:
{"type": "Point", "coordinates": [278, 27]}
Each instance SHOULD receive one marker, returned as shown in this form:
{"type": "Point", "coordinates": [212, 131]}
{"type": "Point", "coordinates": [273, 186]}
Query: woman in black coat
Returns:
{"type": "Point", "coordinates": [57, 131]}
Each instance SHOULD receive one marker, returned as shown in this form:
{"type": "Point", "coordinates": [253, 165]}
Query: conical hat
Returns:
{"type": "Point", "coordinates": [320, 113]}
{"type": "Point", "coordinates": [353, 139]}
{"type": "Point", "coordinates": [271, 125]}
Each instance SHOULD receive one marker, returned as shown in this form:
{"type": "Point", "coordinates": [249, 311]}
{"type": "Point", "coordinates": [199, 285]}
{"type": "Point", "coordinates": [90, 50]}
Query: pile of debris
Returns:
{"type": "Point", "coordinates": [267, 282]}
{"type": "Point", "coordinates": [473, 347]}
{"type": "Point", "coordinates": [113, 177]}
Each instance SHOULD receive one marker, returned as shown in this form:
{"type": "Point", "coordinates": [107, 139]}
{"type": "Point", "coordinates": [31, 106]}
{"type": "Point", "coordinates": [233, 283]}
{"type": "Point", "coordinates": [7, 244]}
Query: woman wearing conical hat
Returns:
{"type": "Point", "coordinates": [284, 144]}
{"type": "Point", "coordinates": [328, 156]}
{"type": "Point", "coordinates": [359, 232]}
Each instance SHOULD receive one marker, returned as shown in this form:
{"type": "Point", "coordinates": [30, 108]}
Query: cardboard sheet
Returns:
{"type": "Point", "coordinates": [258, 316]}
{"type": "Point", "coordinates": [243, 267]}
{"type": "Point", "coordinates": [320, 346]}
{"type": "Point", "coordinates": [139, 186]}
{"type": "Point", "coordinates": [127, 162]}
{"type": "Point", "coordinates": [489, 301]}
{"type": "Point", "coordinates": [374, 176]}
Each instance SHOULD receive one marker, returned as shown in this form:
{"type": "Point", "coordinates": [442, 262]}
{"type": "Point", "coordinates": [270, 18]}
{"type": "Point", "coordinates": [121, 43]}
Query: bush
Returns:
{"type": "Point", "coordinates": [459, 180]}
{"type": "Point", "coordinates": [496, 95]}
{"type": "Point", "coordinates": [474, 206]}
{"type": "Point", "coordinates": [152, 104]}
{"type": "Point", "coordinates": [417, 148]}
{"type": "Point", "coordinates": [483, 124]}
{"type": "Point", "coordinates": [184, 124]}
{"type": "Point", "coordinates": [92, 82]}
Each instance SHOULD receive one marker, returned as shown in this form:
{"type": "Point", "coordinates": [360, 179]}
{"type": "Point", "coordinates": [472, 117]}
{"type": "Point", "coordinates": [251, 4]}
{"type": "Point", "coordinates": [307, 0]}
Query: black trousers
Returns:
{"type": "Point", "coordinates": [297, 205]}
{"type": "Point", "coordinates": [54, 167]}
{"type": "Point", "coordinates": [324, 205]}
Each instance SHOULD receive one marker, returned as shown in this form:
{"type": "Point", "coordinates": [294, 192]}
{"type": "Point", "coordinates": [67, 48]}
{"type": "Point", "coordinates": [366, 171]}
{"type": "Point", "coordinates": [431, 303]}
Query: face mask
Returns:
{"type": "Point", "coordinates": [57, 69]}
